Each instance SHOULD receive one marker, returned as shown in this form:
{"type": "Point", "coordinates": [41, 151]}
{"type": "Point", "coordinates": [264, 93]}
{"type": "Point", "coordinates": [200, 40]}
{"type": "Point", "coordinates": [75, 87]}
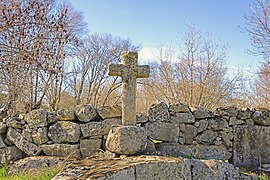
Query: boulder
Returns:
{"type": "Point", "coordinates": [151, 167]}
{"type": "Point", "coordinates": [141, 118]}
{"type": "Point", "coordinates": [249, 122]}
{"type": "Point", "coordinates": [187, 118]}
{"type": "Point", "coordinates": [36, 118]}
{"type": "Point", "coordinates": [3, 127]}
{"type": "Point", "coordinates": [89, 146]}
{"type": "Point", "coordinates": [86, 113]}
{"type": "Point", "coordinates": [150, 148]}
{"type": "Point", "coordinates": [24, 145]}
{"type": "Point", "coordinates": [126, 140]}
{"type": "Point", "coordinates": [64, 132]}
{"type": "Point", "coordinates": [159, 112]}
{"type": "Point", "coordinates": [227, 111]}
{"type": "Point", "coordinates": [251, 145]}
{"type": "Point", "coordinates": [65, 115]}
{"type": "Point", "coordinates": [13, 122]}
{"type": "Point", "coordinates": [190, 133]}
{"type": "Point", "coordinates": [201, 113]}
{"type": "Point", "coordinates": [108, 112]}
{"type": "Point", "coordinates": [164, 131]}
{"type": "Point", "coordinates": [224, 170]}
{"type": "Point", "coordinates": [97, 129]}
{"type": "Point", "coordinates": [33, 163]}
{"type": "Point", "coordinates": [261, 117]}
{"type": "Point", "coordinates": [26, 134]}
{"type": "Point", "coordinates": [40, 136]}
{"type": "Point", "coordinates": [208, 136]}
{"type": "Point", "coordinates": [11, 153]}
{"type": "Point", "coordinates": [203, 125]}
{"type": "Point", "coordinates": [2, 143]}
{"type": "Point", "coordinates": [62, 150]}
{"type": "Point", "coordinates": [244, 114]}
{"type": "Point", "coordinates": [227, 138]}
{"type": "Point", "coordinates": [218, 123]}
{"type": "Point", "coordinates": [234, 121]}
{"type": "Point", "coordinates": [179, 108]}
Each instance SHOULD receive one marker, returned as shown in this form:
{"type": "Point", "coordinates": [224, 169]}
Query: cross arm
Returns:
{"type": "Point", "coordinates": [115, 69]}
{"type": "Point", "coordinates": [142, 71]}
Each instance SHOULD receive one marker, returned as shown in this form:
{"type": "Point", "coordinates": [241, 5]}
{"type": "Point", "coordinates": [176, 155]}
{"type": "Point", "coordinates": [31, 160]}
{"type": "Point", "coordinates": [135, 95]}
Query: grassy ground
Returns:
{"type": "Point", "coordinates": [37, 174]}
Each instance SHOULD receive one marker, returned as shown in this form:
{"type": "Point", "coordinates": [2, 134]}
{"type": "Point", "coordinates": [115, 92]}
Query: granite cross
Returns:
{"type": "Point", "coordinates": [129, 72]}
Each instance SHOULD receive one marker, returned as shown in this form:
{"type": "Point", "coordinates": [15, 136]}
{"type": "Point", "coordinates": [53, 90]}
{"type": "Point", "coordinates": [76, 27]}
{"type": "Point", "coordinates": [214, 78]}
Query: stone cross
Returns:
{"type": "Point", "coordinates": [129, 72]}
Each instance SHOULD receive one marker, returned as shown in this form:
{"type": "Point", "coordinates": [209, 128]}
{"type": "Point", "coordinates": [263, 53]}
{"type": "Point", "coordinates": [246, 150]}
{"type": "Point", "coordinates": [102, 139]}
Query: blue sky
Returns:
{"type": "Point", "coordinates": [149, 22]}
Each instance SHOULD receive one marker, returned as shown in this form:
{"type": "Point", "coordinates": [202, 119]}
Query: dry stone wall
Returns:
{"type": "Point", "coordinates": [174, 130]}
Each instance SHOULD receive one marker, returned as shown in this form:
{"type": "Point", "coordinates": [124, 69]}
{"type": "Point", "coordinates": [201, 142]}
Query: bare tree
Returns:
{"type": "Point", "coordinates": [33, 37]}
{"type": "Point", "coordinates": [197, 76]}
{"type": "Point", "coordinates": [257, 27]}
{"type": "Point", "coordinates": [89, 81]}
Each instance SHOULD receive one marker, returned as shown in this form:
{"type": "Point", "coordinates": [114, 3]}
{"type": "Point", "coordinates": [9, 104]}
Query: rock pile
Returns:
{"type": "Point", "coordinates": [80, 132]}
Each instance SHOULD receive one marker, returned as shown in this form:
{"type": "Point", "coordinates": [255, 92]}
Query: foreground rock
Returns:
{"type": "Point", "coordinates": [251, 145]}
{"type": "Point", "coordinates": [126, 140]}
{"type": "Point", "coordinates": [149, 167]}
{"type": "Point", "coordinates": [32, 163]}
{"type": "Point", "coordinates": [194, 151]}
{"type": "Point", "coordinates": [17, 139]}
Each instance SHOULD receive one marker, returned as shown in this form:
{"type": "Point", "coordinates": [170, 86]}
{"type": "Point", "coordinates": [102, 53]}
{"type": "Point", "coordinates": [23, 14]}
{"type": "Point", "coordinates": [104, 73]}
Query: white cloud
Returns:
{"type": "Point", "coordinates": [147, 54]}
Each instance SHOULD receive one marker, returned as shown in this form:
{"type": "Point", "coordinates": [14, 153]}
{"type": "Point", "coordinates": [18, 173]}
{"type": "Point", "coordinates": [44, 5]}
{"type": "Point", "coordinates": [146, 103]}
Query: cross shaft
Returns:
{"type": "Point", "coordinates": [129, 71]}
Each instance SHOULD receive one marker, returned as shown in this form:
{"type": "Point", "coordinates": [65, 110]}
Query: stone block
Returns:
{"type": "Point", "coordinates": [108, 112]}
{"type": "Point", "coordinates": [65, 115]}
{"type": "Point", "coordinates": [64, 132]}
{"type": "Point", "coordinates": [190, 133]}
{"type": "Point", "coordinates": [227, 111]}
{"type": "Point", "coordinates": [234, 121]}
{"type": "Point", "coordinates": [13, 122]}
{"type": "Point", "coordinates": [244, 114]}
{"type": "Point", "coordinates": [251, 145]}
{"type": "Point", "coordinates": [187, 118]}
{"type": "Point", "coordinates": [208, 136]}
{"type": "Point", "coordinates": [150, 148]}
{"type": "Point", "coordinates": [36, 118]}
{"type": "Point", "coordinates": [2, 143]}
{"type": "Point", "coordinates": [3, 127]}
{"type": "Point", "coordinates": [62, 150]}
{"type": "Point", "coordinates": [179, 108]}
{"type": "Point", "coordinates": [261, 117]}
{"type": "Point", "coordinates": [152, 170]}
{"type": "Point", "coordinates": [164, 131]}
{"type": "Point", "coordinates": [24, 145]}
{"type": "Point", "coordinates": [101, 128]}
{"type": "Point", "coordinates": [141, 118]}
{"type": "Point", "coordinates": [40, 136]}
{"type": "Point", "coordinates": [86, 113]}
{"type": "Point", "coordinates": [159, 112]}
{"type": "Point", "coordinates": [89, 146]}
{"type": "Point", "coordinates": [26, 134]}
{"type": "Point", "coordinates": [201, 113]}
{"type": "Point", "coordinates": [227, 138]}
{"type": "Point", "coordinates": [126, 140]}
{"type": "Point", "coordinates": [12, 153]}
{"type": "Point", "coordinates": [218, 123]}
{"type": "Point", "coordinates": [203, 125]}
{"type": "Point", "coordinates": [194, 151]}
{"type": "Point", "coordinates": [33, 163]}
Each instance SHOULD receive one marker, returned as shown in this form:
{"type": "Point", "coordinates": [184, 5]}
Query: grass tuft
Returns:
{"type": "Point", "coordinates": [4, 171]}
{"type": "Point", "coordinates": [46, 173]}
